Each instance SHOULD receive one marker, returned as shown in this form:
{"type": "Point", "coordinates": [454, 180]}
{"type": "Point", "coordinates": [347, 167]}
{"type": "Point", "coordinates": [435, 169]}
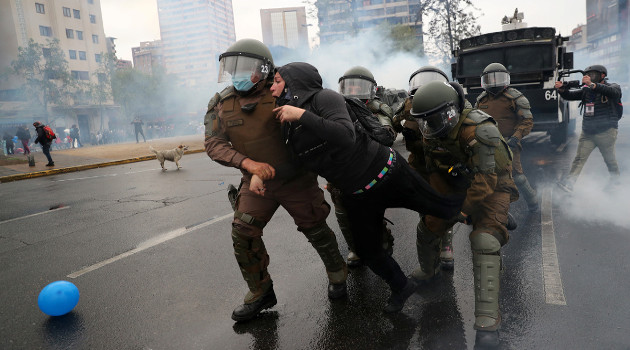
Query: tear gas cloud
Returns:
{"type": "Point", "coordinates": [370, 49]}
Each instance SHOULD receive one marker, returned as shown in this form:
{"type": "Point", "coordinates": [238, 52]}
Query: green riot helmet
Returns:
{"type": "Point", "coordinates": [424, 75]}
{"type": "Point", "coordinates": [495, 78]}
{"type": "Point", "coordinates": [595, 72]}
{"type": "Point", "coordinates": [358, 82]}
{"type": "Point", "coordinates": [246, 63]}
{"type": "Point", "coordinates": [437, 106]}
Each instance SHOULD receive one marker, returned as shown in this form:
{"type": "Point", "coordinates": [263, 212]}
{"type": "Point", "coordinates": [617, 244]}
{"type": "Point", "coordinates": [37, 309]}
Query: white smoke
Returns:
{"type": "Point", "coordinates": [370, 49]}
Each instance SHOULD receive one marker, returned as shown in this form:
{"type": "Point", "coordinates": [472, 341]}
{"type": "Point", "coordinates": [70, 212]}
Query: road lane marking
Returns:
{"type": "Point", "coordinates": [554, 292]}
{"type": "Point", "coordinates": [106, 175]}
{"type": "Point", "coordinates": [30, 216]}
{"type": "Point", "coordinates": [150, 243]}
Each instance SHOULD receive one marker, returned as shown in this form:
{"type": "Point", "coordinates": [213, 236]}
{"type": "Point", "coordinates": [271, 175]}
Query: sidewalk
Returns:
{"type": "Point", "coordinates": [89, 157]}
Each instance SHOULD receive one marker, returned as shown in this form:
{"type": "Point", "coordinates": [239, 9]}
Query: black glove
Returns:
{"type": "Point", "coordinates": [513, 142]}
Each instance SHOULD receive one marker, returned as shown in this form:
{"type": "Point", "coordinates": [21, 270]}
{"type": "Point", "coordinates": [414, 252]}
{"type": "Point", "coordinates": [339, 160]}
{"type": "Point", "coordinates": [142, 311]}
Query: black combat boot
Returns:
{"type": "Point", "coordinates": [248, 311]}
{"type": "Point", "coordinates": [397, 300]}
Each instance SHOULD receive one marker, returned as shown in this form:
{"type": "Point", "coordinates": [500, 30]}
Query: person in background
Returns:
{"type": "Point", "coordinates": [601, 103]}
{"type": "Point", "coordinates": [43, 140]}
{"type": "Point", "coordinates": [74, 134]}
{"type": "Point", "coordinates": [8, 138]}
{"type": "Point", "coordinates": [137, 124]}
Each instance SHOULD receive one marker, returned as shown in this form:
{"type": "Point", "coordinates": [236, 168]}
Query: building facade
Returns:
{"type": "Point", "coordinates": [194, 33]}
{"type": "Point", "coordinates": [147, 56]}
{"type": "Point", "coordinates": [285, 27]}
{"type": "Point", "coordinates": [78, 25]}
{"type": "Point", "coordinates": [608, 37]}
{"type": "Point", "coordinates": [341, 19]}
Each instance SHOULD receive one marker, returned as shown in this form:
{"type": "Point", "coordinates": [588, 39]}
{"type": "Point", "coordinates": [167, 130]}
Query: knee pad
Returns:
{"type": "Point", "coordinates": [249, 251]}
{"type": "Point", "coordinates": [484, 243]}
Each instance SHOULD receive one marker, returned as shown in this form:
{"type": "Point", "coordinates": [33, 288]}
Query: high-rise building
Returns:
{"type": "Point", "coordinates": [608, 37]}
{"type": "Point", "coordinates": [147, 56]}
{"type": "Point", "coordinates": [284, 27]}
{"type": "Point", "coordinates": [194, 33]}
{"type": "Point", "coordinates": [341, 19]}
{"type": "Point", "coordinates": [78, 25]}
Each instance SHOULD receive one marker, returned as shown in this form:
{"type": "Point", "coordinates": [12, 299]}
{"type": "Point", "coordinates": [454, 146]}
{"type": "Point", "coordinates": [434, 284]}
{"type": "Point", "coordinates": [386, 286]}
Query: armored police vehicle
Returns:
{"type": "Point", "coordinates": [535, 57]}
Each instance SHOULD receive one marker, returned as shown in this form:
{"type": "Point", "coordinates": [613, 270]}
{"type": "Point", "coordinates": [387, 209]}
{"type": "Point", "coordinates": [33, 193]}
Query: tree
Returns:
{"type": "Point", "coordinates": [404, 38]}
{"type": "Point", "coordinates": [451, 21]}
{"type": "Point", "coordinates": [45, 73]}
{"type": "Point", "coordinates": [99, 89]}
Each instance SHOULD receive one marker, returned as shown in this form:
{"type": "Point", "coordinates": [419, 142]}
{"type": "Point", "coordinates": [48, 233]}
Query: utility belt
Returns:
{"type": "Point", "coordinates": [383, 175]}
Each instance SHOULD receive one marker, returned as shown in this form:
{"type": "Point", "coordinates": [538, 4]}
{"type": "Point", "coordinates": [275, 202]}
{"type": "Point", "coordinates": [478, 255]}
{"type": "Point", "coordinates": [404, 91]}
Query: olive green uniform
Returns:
{"type": "Point", "coordinates": [511, 110]}
{"type": "Point", "coordinates": [473, 160]}
{"type": "Point", "coordinates": [233, 134]}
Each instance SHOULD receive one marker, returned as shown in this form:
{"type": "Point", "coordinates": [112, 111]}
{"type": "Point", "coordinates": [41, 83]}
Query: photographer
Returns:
{"type": "Point", "coordinates": [601, 106]}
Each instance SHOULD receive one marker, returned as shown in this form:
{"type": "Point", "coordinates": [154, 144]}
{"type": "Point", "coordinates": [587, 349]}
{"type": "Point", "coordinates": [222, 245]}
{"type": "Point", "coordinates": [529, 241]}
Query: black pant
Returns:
{"type": "Point", "coordinates": [401, 187]}
{"type": "Point", "coordinates": [46, 150]}
{"type": "Point", "coordinates": [140, 132]}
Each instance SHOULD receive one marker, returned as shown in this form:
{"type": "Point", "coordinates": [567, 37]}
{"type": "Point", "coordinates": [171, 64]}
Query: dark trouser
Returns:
{"type": "Point", "coordinates": [304, 201]}
{"type": "Point", "coordinates": [10, 147]}
{"type": "Point", "coordinates": [25, 145]}
{"type": "Point", "coordinates": [401, 187]}
{"type": "Point", "coordinates": [142, 133]}
{"type": "Point", "coordinates": [46, 150]}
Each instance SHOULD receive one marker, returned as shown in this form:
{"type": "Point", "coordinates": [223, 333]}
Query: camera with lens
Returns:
{"type": "Point", "coordinates": [571, 84]}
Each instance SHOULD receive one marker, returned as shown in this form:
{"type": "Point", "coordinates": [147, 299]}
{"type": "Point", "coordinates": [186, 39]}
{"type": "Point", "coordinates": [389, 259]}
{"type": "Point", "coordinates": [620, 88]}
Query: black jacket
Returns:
{"type": "Point", "coordinates": [603, 96]}
{"type": "Point", "coordinates": [23, 134]}
{"type": "Point", "coordinates": [41, 136]}
{"type": "Point", "coordinates": [324, 140]}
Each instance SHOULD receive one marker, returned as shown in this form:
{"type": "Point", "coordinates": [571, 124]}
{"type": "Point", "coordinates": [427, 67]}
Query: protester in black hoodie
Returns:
{"type": "Point", "coordinates": [320, 133]}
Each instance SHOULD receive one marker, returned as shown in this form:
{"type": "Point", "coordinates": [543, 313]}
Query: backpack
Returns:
{"type": "Point", "coordinates": [50, 134]}
{"type": "Point", "coordinates": [364, 121]}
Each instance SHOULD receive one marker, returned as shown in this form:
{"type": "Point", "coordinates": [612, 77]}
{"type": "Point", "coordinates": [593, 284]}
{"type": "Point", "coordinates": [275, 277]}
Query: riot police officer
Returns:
{"type": "Point", "coordinates": [358, 82]}
{"type": "Point", "coordinates": [601, 103]}
{"type": "Point", "coordinates": [511, 110]}
{"type": "Point", "coordinates": [466, 154]}
{"type": "Point", "coordinates": [413, 143]}
{"type": "Point", "coordinates": [242, 132]}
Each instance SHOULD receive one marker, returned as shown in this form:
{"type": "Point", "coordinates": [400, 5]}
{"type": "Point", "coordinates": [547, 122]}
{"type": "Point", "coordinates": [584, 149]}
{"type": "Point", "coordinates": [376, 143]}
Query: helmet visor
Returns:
{"type": "Point", "coordinates": [424, 77]}
{"type": "Point", "coordinates": [495, 80]}
{"type": "Point", "coordinates": [357, 87]}
{"type": "Point", "coordinates": [439, 123]}
{"type": "Point", "coordinates": [237, 68]}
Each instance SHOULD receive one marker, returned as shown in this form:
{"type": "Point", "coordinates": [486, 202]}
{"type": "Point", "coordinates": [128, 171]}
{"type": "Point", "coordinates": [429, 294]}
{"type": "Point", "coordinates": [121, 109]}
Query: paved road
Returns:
{"type": "Point", "coordinates": [151, 255]}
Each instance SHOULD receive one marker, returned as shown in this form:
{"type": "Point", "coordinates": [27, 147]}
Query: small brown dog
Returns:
{"type": "Point", "coordinates": [174, 155]}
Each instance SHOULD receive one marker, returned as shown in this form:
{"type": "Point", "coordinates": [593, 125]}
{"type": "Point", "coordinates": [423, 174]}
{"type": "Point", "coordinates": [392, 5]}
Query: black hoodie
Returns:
{"type": "Point", "coordinates": [347, 159]}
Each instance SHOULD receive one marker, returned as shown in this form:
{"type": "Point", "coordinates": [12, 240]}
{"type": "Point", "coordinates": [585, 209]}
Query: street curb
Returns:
{"type": "Point", "coordinates": [72, 169]}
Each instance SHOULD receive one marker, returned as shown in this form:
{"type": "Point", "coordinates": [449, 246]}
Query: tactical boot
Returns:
{"type": "Point", "coordinates": [325, 243]}
{"type": "Point", "coordinates": [530, 194]}
{"type": "Point", "coordinates": [353, 259]}
{"type": "Point", "coordinates": [428, 246]}
{"type": "Point", "coordinates": [397, 300]}
{"type": "Point", "coordinates": [446, 254]}
{"type": "Point", "coordinates": [486, 268]}
{"type": "Point", "coordinates": [250, 310]}
{"type": "Point", "coordinates": [567, 184]}
{"type": "Point", "coordinates": [253, 260]}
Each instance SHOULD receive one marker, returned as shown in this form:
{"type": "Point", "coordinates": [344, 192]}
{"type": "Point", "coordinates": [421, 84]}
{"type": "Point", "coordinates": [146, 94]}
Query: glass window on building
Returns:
{"type": "Point", "coordinates": [72, 54]}
{"type": "Point", "coordinates": [97, 57]}
{"type": "Point", "coordinates": [92, 19]}
{"type": "Point", "coordinates": [69, 33]}
{"type": "Point", "coordinates": [45, 31]}
{"type": "Point", "coordinates": [39, 8]}
{"type": "Point", "coordinates": [66, 12]}
{"type": "Point", "coordinates": [77, 14]}
{"type": "Point", "coordinates": [291, 23]}
{"type": "Point", "coordinates": [95, 38]}
{"type": "Point", "coordinates": [80, 75]}
{"type": "Point", "coordinates": [79, 34]}
{"type": "Point", "coordinates": [82, 56]}
{"type": "Point", "coordinates": [277, 29]}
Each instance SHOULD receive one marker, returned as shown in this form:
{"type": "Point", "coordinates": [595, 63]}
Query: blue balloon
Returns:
{"type": "Point", "coordinates": [58, 298]}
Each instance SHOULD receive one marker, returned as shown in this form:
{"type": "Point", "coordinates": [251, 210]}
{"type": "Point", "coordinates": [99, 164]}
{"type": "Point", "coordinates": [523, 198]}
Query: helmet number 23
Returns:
{"type": "Point", "coordinates": [264, 69]}
{"type": "Point", "coordinates": [551, 94]}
